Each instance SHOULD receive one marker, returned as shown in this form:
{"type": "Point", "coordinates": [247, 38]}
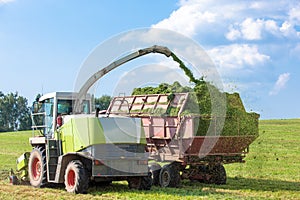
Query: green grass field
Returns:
{"type": "Point", "coordinates": [271, 171]}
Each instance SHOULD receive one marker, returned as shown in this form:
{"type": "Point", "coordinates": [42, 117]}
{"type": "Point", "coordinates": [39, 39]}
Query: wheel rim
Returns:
{"type": "Point", "coordinates": [165, 178]}
{"type": "Point", "coordinates": [36, 168]}
{"type": "Point", "coordinates": [71, 178]}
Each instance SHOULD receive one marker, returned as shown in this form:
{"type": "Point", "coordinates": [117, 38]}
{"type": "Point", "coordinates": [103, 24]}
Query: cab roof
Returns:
{"type": "Point", "coordinates": [62, 95]}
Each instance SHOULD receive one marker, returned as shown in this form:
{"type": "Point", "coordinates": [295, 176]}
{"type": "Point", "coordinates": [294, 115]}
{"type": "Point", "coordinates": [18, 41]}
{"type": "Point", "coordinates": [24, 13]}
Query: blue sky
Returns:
{"type": "Point", "coordinates": [255, 45]}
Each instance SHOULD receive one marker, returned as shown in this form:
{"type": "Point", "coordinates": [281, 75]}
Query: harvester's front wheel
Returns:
{"type": "Point", "coordinates": [76, 177]}
{"type": "Point", "coordinates": [37, 169]}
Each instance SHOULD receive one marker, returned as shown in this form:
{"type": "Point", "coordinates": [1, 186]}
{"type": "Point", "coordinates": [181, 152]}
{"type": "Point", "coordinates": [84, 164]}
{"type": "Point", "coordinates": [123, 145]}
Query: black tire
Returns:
{"type": "Point", "coordinates": [169, 176]}
{"type": "Point", "coordinates": [140, 183]}
{"type": "Point", "coordinates": [216, 175]}
{"type": "Point", "coordinates": [37, 169]}
{"type": "Point", "coordinates": [147, 182]}
{"type": "Point", "coordinates": [219, 175]}
{"type": "Point", "coordinates": [205, 173]}
{"type": "Point", "coordinates": [154, 169]}
{"type": "Point", "coordinates": [76, 177]}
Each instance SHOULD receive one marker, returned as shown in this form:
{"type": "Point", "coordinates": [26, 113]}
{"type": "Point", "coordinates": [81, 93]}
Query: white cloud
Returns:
{"type": "Point", "coordinates": [271, 26]}
{"type": "Point", "coordinates": [6, 1]}
{"type": "Point", "coordinates": [250, 25]}
{"type": "Point", "coordinates": [247, 20]}
{"type": "Point", "coordinates": [294, 14]}
{"type": "Point", "coordinates": [187, 19]}
{"type": "Point", "coordinates": [287, 28]}
{"type": "Point", "coordinates": [233, 33]}
{"type": "Point", "coordinates": [237, 56]}
{"type": "Point", "coordinates": [280, 83]}
{"type": "Point", "coordinates": [252, 29]}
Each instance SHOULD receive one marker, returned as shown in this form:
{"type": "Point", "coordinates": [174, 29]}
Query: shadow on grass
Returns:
{"type": "Point", "coordinates": [186, 189]}
{"type": "Point", "coordinates": [199, 189]}
{"type": "Point", "coordinates": [122, 187]}
{"type": "Point", "coordinates": [193, 189]}
{"type": "Point", "coordinates": [240, 183]}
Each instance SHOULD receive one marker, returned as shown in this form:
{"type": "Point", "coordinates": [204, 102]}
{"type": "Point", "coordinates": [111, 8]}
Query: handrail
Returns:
{"type": "Point", "coordinates": [34, 125]}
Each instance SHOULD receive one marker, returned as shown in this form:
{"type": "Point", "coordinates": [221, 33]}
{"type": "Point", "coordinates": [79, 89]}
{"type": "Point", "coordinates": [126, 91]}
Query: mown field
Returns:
{"type": "Point", "coordinates": [271, 171]}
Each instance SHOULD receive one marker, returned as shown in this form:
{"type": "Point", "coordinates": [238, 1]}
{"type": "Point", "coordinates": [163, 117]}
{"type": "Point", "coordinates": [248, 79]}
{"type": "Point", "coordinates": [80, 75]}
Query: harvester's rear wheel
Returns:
{"type": "Point", "coordinates": [37, 169]}
{"type": "Point", "coordinates": [140, 183]}
{"type": "Point", "coordinates": [155, 171]}
{"type": "Point", "coordinates": [76, 177]}
{"type": "Point", "coordinates": [169, 176]}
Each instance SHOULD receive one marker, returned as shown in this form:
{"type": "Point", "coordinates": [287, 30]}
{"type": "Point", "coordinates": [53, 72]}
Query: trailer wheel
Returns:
{"type": "Point", "coordinates": [155, 171]}
{"type": "Point", "coordinates": [169, 176]}
{"type": "Point", "coordinates": [76, 179]}
{"type": "Point", "coordinates": [37, 169]}
{"type": "Point", "coordinates": [216, 174]}
{"type": "Point", "coordinates": [219, 175]}
{"type": "Point", "coordinates": [140, 183]}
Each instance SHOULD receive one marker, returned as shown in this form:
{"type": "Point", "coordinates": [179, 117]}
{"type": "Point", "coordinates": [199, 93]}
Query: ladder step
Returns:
{"type": "Point", "coordinates": [161, 138]}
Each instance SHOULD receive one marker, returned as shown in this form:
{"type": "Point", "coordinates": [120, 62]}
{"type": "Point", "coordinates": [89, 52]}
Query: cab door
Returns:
{"type": "Point", "coordinates": [48, 120]}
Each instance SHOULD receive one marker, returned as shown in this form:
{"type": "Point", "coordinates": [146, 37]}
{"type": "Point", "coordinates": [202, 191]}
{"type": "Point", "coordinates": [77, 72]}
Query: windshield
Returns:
{"type": "Point", "coordinates": [64, 107]}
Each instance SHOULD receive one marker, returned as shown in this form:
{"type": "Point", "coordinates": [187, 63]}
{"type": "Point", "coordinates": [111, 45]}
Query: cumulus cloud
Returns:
{"type": "Point", "coordinates": [271, 26]}
{"type": "Point", "coordinates": [235, 32]}
{"type": "Point", "coordinates": [237, 56]}
{"type": "Point", "coordinates": [194, 16]}
{"type": "Point", "coordinates": [287, 29]}
{"type": "Point", "coordinates": [187, 19]}
{"type": "Point", "coordinates": [280, 83]}
{"type": "Point", "coordinates": [294, 14]}
{"type": "Point", "coordinates": [246, 20]}
{"type": "Point", "coordinates": [251, 29]}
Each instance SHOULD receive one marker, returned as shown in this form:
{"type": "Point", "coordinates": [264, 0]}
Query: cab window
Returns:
{"type": "Point", "coordinates": [64, 107]}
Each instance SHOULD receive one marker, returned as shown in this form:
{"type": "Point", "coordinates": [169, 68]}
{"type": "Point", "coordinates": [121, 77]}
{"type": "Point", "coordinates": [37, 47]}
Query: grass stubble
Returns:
{"type": "Point", "coordinates": [271, 171]}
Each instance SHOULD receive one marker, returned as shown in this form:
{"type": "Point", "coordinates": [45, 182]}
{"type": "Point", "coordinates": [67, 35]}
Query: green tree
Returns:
{"type": "Point", "coordinates": [14, 112]}
{"type": "Point", "coordinates": [24, 118]}
{"type": "Point", "coordinates": [2, 120]}
{"type": "Point", "coordinates": [103, 102]}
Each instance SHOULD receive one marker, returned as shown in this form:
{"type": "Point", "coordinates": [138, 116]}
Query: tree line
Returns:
{"type": "Point", "coordinates": [14, 112]}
